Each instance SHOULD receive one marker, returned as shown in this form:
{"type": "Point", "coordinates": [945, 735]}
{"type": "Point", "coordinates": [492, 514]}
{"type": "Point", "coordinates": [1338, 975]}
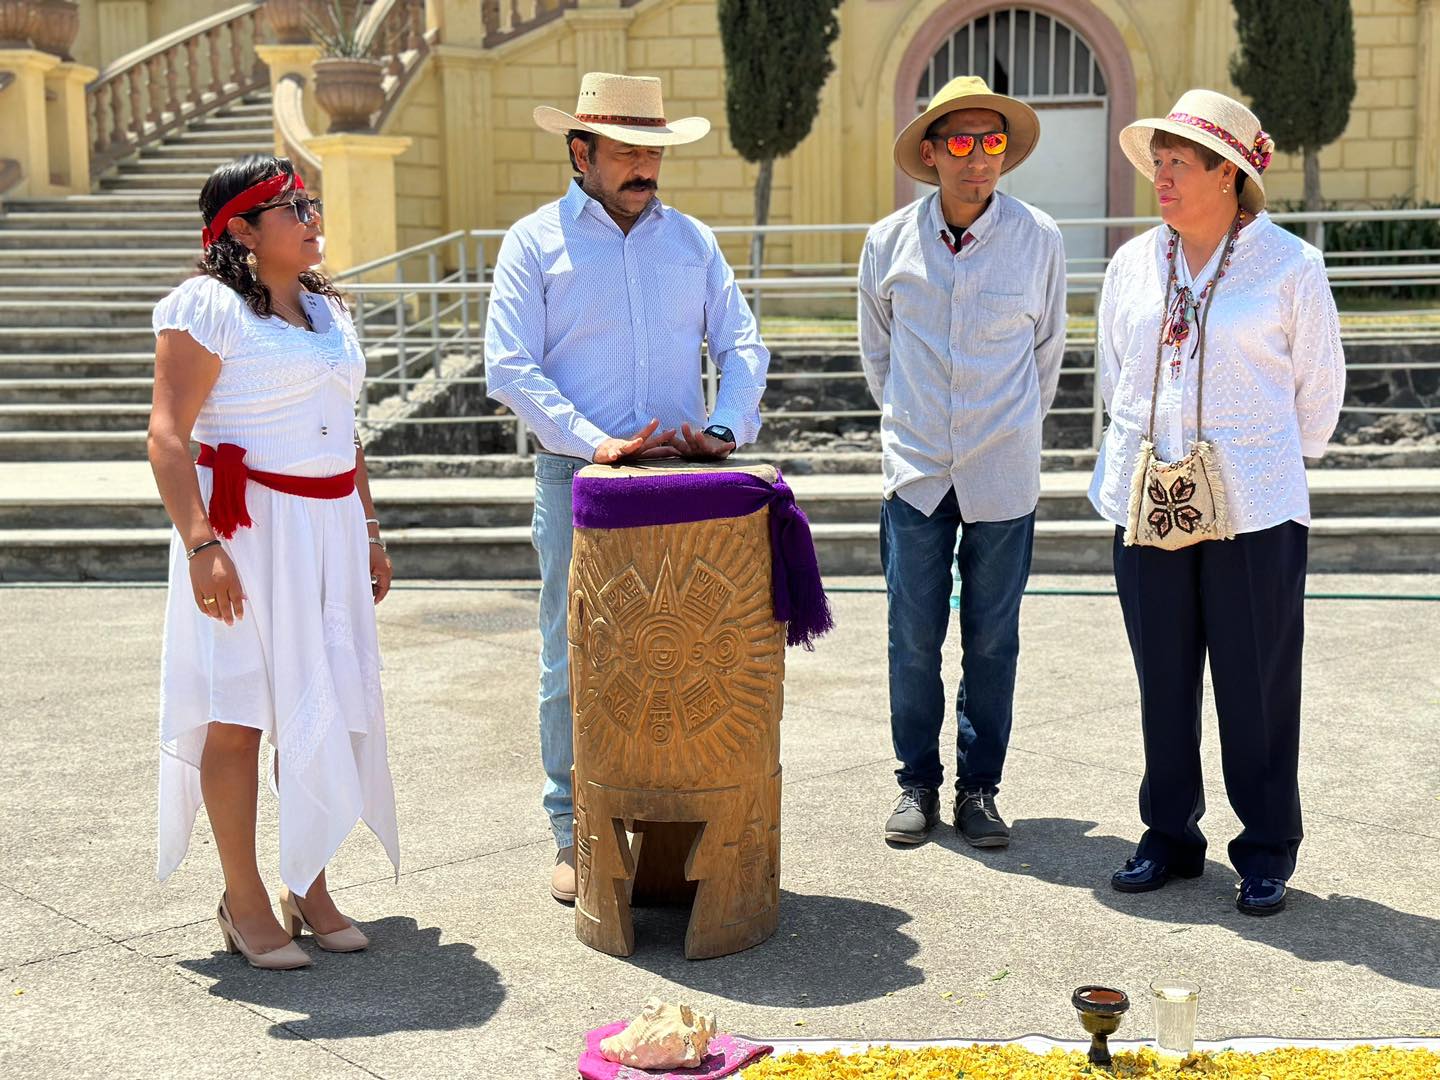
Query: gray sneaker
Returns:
{"type": "Point", "coordinates": [977, 820]}
{"type": "Point", "coordinates": [917, 811]}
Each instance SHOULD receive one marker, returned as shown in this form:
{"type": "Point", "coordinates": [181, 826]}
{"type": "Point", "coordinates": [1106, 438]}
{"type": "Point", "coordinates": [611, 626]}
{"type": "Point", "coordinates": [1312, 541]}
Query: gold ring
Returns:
{"type": "Point", "coordinates": [208, 600]}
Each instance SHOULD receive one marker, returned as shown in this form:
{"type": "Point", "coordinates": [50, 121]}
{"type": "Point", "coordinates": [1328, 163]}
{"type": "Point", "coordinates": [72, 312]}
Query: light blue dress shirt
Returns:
{"type": "Point", "coordinates": [593, 332]}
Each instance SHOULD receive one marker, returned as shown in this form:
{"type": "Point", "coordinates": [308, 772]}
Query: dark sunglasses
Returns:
{"type": "Point", "coordinates": [992, 142]}
{"type": "Point", "coordinates": [306, 210]}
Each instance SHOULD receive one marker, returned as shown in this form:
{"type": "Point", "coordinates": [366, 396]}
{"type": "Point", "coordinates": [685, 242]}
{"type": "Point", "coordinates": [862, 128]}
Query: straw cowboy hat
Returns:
{"type": "Point", "coordinates": [967, 92]}
{"type": "Point", "coordinates": [623, 107]}
{"type": "Point", "coordinates": [1216, 122]}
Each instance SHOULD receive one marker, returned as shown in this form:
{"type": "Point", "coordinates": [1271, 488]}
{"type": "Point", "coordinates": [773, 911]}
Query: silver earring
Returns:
{"type": "Point", "coordinates": [1225, 190]}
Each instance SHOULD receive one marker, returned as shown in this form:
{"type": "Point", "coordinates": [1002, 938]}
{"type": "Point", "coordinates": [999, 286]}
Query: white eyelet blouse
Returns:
{"type": "Point", "coordinates": [1274, 373]}
{"type": "Point", "coordinates": [285, 394]}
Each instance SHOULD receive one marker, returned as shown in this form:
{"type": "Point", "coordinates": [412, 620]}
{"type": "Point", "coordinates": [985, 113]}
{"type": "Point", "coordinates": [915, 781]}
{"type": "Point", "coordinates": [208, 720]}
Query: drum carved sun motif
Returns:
{"type": "Point", "coordinates": [675, 667]}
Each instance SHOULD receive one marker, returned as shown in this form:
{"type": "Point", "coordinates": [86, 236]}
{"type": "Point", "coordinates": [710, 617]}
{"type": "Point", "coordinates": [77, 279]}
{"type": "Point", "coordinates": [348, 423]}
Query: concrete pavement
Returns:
{"type": "Point", "coordinates": [475, 972]}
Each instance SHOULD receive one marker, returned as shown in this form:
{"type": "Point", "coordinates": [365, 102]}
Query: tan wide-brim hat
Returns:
{"type": "Point", "coordinates": [624, 107]}
{"type": "Point", "coordinates": [1216, 122]}
{"type": "Point", "coordinates": [968, 92]}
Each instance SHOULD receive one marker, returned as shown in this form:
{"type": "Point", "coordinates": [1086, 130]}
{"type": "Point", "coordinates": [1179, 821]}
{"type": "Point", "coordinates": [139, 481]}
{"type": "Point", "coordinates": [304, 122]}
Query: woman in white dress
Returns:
{"type": "Point", "coordinates": [270, 625]}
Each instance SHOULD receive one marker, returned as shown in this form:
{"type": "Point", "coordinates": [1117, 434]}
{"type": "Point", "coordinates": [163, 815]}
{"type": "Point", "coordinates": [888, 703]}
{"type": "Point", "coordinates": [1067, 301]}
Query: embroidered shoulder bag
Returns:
{"type": "Point", "coordinates": [1174, 504]}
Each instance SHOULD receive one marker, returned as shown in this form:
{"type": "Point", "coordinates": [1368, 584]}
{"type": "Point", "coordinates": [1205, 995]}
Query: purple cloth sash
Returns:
{"type": "Point", "coordinates": [664, 498]}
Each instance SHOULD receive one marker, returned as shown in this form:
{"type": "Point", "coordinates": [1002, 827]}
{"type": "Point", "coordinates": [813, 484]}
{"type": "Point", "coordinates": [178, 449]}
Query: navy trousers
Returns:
{"type": "Point", "coordinates": [1241, 602]}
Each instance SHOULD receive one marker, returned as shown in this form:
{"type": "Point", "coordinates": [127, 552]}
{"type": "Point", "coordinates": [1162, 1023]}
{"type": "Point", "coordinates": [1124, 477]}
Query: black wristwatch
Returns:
{"type": "Point", "coordinates": [719, 431]}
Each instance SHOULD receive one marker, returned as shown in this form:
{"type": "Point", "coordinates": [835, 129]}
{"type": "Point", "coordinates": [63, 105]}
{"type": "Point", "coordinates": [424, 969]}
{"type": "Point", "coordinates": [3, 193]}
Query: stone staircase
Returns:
{"type": "Point", "coordinates": [103, 521]}
{"type": "Point", "coordinates": [78, 279]}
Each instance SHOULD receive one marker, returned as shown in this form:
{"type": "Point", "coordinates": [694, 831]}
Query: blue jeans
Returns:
{"type": "Point", "coordinates": [552, 534]}
{"type": "Point", "coordinates": [994, 565]}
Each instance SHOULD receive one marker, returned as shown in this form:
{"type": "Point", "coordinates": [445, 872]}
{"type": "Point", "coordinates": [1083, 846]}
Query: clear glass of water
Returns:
{"type": "Point", "coordinates": [1176, 1003]}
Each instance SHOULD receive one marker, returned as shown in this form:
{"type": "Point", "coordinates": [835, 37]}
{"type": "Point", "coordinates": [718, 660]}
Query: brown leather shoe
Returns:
{"type": "Point", "coordinates": [562, 878]}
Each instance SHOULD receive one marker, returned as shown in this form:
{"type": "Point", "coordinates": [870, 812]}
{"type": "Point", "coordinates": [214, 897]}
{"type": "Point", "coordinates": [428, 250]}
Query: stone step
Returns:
{"type": "Point", "coordinates": [72, 418]}
{"type": "Point", "coordinates": [176, 259]}
{"type": "Point", "coordinates": [102, 220]}
{"type": "Point", "coordinates": [66, 339]}
{"type": "Point", "coordinates": [456, 503]}
{"type": "Point", "coordinates": [126, 293]}
{"type": "Point", "coordinates": [244, 136]}
{"type": "Point", "coordinates": [72, 446]}
{"type": "Point", "coordinates": [41, 242]}
{"type": "Point", "coordinates": [76, 314]}
{"type": "Point", "coordinates": [252, 106]}
{"type": "Point", "coordinates": [191, 150]}
{"type": "Point", "coordinates": [1337, 545]}
{"type": "Point", "coordinates": [151, 163]}
{"type": "Point", "coordinates": [93, 391]}
{"type": "Point", "coordinates": [15, 280]}
{"type": "Point", "coordinates": [71, 367]}
{"type": "Point", "coordinates": [172, 183]}
{"type": "Point", "coordinates": [116, 202]}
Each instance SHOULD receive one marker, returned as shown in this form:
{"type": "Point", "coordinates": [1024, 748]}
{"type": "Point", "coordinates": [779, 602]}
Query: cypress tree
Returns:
{"type": "Point", "coordinates": [777, 58]}
{"type": "Point", "coordinates": [1296, 63]}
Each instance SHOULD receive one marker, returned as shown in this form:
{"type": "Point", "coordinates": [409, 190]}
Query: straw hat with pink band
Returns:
{"type": "Point", "coordinates": [1216, 122]}
{"type": "Point", "coordinates": [624, 107]}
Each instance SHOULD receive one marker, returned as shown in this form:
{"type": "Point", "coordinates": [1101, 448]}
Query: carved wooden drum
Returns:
{"type": "Point", "coordinates": [677, 667]}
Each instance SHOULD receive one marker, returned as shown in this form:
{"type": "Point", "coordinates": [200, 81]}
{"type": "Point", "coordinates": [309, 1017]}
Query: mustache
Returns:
{"type": "Point", "coordinates": [640, 185]}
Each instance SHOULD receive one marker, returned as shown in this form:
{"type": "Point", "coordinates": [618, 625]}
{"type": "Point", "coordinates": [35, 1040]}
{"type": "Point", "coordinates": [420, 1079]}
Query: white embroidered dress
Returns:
{"type": "Point", "coordinates": [303, 665]}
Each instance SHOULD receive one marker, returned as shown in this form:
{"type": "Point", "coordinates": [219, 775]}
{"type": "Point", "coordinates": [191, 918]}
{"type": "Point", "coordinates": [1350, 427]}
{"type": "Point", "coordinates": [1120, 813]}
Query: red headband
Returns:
{"type": "Point", "coordinates": [248, 199]}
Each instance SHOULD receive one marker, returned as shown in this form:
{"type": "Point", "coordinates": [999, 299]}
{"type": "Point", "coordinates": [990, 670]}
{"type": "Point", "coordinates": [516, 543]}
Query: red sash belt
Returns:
{"type": "Point", "coordinates": [227, 498]}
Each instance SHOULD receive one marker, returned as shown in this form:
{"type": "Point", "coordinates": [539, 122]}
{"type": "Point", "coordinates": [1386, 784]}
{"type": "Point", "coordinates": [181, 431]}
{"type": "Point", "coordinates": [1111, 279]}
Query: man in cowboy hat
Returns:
{"type": "Point", "coordinates": [600, 302]}
{"type": "Point", "coordinates": [962, 329]}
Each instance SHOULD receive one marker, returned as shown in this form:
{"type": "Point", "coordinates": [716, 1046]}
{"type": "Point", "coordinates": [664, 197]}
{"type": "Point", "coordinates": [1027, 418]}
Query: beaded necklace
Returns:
{"type": "Point", "coordinates": [1186, 306]}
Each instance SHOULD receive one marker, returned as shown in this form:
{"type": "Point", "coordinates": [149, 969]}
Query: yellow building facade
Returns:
{"type": "Point", "coordinates": [476, 160]}
{"type": "Point", "coordinates": [479, 161]}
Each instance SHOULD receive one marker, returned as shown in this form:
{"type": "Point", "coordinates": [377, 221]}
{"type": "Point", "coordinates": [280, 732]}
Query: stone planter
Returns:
{"type": "Point", "coordinates": [349, 91]}
{"type": "Point", "coordinates": [17, 23]}
{"type": "Point", "coordinates": [57, 23]}
{"type": "Point", "coordinates": [287, 20]}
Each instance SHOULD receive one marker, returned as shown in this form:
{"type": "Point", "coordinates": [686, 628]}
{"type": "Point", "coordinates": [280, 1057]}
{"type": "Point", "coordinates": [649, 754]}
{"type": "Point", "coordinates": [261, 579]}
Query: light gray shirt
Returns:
{"type": "Point", "coordinates": [962, 353]}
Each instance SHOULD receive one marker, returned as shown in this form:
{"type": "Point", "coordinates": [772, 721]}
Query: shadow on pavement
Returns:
{"type": "Point", "coordinates": [405, 981]}
{"type": "Point", "coordinates": [1347, 929]}
{"type": "Point", "coordinates": [827, 950]}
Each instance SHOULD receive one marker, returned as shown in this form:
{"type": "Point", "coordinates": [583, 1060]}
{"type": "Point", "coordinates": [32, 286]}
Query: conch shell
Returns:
{"type": "Point", "coordinates": [663, 1036]}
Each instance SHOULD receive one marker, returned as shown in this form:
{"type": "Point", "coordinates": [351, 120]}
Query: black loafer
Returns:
{"type": "Point", "coordinates": [1261, 896]}
{"type": "Point", "coordinates": [1145, 875]}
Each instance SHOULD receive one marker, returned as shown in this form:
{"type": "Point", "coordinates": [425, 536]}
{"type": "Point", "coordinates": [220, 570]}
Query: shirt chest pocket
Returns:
{"type": "Point", "coordinates": [676, 300]}
{"type": "Point", "coordinates": [1002, 316]}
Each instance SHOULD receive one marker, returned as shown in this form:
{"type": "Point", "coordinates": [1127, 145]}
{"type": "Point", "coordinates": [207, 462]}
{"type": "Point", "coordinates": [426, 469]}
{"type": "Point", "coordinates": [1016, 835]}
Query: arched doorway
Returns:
{"type": "Point", "coordinates": [1050, 63]}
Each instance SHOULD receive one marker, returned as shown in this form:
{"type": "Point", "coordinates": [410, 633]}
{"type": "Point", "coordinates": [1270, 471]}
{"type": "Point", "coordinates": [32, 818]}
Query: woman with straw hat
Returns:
{"type": "Point", "coordinates": [1220, 363]}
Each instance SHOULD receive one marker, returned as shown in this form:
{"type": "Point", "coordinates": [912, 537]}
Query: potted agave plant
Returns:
{"type": "Point", "coordinates": [347, 78]}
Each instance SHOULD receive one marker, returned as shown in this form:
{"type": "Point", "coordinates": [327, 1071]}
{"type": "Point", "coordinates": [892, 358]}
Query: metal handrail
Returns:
{"type": "Point", "coordinates": [1320, 217]}
{"type": "Point", "coordinates": [434, 315]}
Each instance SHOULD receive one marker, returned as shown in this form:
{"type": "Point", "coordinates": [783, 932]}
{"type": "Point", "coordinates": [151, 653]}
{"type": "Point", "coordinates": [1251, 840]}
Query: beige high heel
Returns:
{"type": "Point", "coordinates": [285, 958]}
{"type": "Point", "coordinates": [351, 939]}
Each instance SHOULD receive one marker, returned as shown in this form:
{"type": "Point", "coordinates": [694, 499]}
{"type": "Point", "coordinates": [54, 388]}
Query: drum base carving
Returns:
{"type": "Point", "coordinates": [721, 847]}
